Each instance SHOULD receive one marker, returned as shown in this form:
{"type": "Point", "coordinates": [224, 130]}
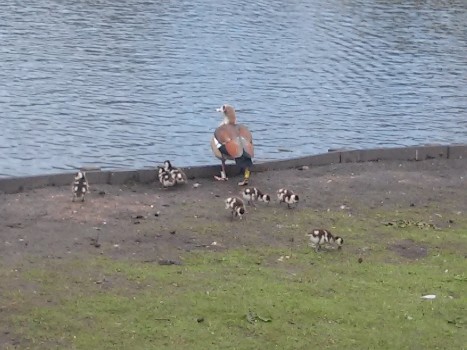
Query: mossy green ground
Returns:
{"type": "Point", "coordinates": [303, 299]}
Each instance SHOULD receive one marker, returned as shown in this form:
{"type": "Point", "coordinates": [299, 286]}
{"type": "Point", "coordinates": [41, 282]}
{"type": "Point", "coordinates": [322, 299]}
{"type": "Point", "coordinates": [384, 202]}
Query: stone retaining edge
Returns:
{"type": "Point", "coordinates": [412, 153]}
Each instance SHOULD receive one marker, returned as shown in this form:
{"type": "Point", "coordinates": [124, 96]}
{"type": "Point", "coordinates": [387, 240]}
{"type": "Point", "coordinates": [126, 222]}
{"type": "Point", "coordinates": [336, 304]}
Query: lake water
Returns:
{"type": "Point", "coordinates": [128, 84]}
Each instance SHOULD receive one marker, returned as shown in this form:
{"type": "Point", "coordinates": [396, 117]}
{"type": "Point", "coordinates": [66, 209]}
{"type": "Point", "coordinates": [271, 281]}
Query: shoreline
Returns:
{"type": "Point", "coordinates": [11, 185]}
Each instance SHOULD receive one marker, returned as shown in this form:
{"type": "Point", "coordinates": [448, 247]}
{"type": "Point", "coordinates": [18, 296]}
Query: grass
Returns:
{"type": "Point", "coordinates": [326, 300]}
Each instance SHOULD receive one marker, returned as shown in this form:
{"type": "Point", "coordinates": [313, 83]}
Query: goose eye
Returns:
{"type": "Point", "coordinates": [223, 108]}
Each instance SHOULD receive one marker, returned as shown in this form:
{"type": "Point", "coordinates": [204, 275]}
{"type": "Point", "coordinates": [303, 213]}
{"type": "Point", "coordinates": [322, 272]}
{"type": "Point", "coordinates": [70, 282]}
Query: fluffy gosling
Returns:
{"type": "Point", "coordinates": [236, 206]}
{"type": "Point", "coordinates": [252, 194]}
{"type": "Point", "coordinates": [80, 186]}
{"type": "Point", "coordinates": [177, 173]}
{"type": "Point", "coordinates": [320, 236]}
{"type": "Point", "coordinates": [286, 196]}
{"type": "Point", "coordinates": [166, 178]}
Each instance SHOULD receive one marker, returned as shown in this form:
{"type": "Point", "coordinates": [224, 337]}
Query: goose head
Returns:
{"type": "Point", "coordinates": [167, 165]}
{"type": "Point", "coordinates": [229, 114]}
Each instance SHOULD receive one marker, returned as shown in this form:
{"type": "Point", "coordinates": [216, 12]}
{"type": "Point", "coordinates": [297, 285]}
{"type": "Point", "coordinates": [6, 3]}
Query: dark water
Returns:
{"type": "Point", "coordinates": [127, 84]}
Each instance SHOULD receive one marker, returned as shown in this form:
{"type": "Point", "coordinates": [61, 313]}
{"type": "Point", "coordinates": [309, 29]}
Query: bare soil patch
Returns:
{"type": "Point", "coordinates": [147, 223]}
{"type": "Point", "coordinates": [407, 248]}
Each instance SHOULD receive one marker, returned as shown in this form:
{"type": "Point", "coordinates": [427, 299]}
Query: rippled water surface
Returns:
{"type": "Point", "coordinates": [129, 83]}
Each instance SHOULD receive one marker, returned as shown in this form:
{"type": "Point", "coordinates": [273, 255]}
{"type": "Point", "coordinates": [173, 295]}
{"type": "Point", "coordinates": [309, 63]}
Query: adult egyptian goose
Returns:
{"type": "Point", "coordinates": [232, 141]}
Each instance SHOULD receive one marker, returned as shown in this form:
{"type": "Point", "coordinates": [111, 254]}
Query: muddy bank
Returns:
{"type": "Point", "coordinates": [148, 223]}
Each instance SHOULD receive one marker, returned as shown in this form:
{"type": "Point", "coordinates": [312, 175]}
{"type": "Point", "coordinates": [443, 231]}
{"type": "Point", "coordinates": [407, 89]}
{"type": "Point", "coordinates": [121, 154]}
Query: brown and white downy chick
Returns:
{"type": "Point", "coordinates": [177, 173]}
{"type": "Point", "coordinates": [286, 196]}
{"type": "Point", "coordinates": [252, 194]}
{"type": "Point", "coordinates": [236, 206]}
{"type": "Point", "coordinates": [321, 236]}
{"type": "Point", "coordinates": [166, 178]}
{"type": "Point", "coordinates": [80, 186]}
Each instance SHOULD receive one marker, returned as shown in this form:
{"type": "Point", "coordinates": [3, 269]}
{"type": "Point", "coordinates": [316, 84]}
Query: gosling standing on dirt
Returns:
{"type": "Point", "coordinates": [320, 236]}
{"type": "Point", "coordinates": [236, 206]}
{"type": "Point", "coordinates": [287, 196]}
{"type": "Point", "coordinates": [80, 186]}
{"type": "Point", "coordinates": [177, 173]}
{"type": "Point", "coordinates": [252, 194]}
{"type": "Point", "coordinates": [166, 178]}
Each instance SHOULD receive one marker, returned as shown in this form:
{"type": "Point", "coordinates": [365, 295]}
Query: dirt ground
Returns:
{"type": "Point", "coordinates": [147, 223]}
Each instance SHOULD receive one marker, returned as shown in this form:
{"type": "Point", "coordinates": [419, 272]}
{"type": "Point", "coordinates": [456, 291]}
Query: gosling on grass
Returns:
{"type": "Point", "coordinates": [177, 173]}
{"type": "Point", "coordinates": [236, 206]}
{"type": "Point", "coordinates": [287, 196]}
{"type": "Point", "coordinates": [320, 236]}
{"type": "Point", "coordinates": [79, 186]}
{"type": "Point", "coordinates": [252, 194]}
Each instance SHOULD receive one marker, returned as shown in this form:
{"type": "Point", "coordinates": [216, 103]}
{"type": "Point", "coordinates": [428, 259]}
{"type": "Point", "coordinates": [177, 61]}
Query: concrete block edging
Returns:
{"type": "Point", "coordinates": [412, 153]}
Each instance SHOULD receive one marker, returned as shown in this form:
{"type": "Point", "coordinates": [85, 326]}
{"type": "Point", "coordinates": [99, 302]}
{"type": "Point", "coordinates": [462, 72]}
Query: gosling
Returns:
{"type": "Point", "coordinates": [80, 186]}
{"type": "Point", "coordinates": [165, 178]}
{"type": "Point", "coordinates": [177, 173]}
{"type": "Point", "coordinates": [236, 206]}
{"type": "Point", "coordinates": [287, 196]}
{"type": "Point", "coordinates": [252, 194]}
{"type": "Point", "coordinates": [320, 236]}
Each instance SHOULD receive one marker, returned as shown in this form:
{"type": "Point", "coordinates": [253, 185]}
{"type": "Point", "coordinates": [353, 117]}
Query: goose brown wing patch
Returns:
{"type": "Point", "coordinates": [246, 140]}
{"type": "Point", "coordinates": [225, 133]}
{"type": "Point", "coordinates": [235, 138]}
{"type": "Point", "coordinates": [244, 132]}
{"type": "Point", "coordinates": [234, 148]}
{"type": "Point", "coordinates": [247, 147]}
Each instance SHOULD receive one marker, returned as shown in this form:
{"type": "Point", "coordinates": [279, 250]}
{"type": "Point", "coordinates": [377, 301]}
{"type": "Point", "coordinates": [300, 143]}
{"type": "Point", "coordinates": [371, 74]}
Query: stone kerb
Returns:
{"type": "Point", "coordinates": [457, 152]}
{"type": "Point", "coordinates": [413, 153]}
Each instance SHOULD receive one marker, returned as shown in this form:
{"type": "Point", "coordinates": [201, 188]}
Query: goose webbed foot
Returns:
{"type": "Point", "coordinates": [221, 178]}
